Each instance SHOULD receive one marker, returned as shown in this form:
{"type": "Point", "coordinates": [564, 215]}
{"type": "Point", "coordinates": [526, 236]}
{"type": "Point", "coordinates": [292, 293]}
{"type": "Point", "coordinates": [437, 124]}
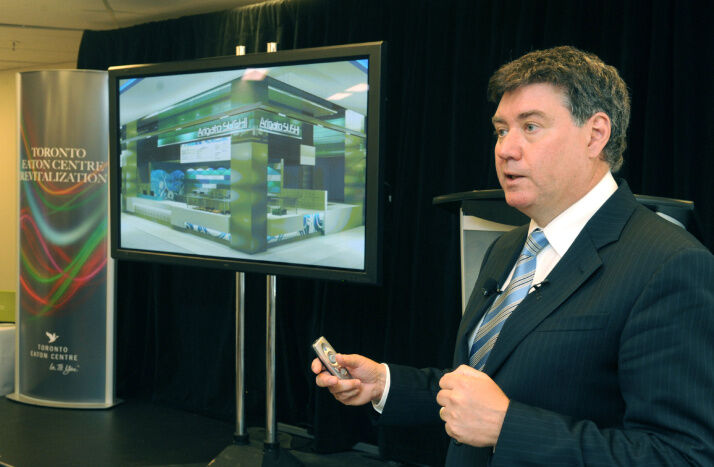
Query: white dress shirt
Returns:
{"type": "Point", "coordinates": [561, 233]}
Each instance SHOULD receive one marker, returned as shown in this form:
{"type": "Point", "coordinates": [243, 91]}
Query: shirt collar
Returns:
{"type": "Point", "coordinates": [562, 231]}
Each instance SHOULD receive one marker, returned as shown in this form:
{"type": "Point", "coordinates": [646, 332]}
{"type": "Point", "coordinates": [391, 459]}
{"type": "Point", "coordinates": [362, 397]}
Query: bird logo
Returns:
{"type": "Point", "coordinates": [51, 336]}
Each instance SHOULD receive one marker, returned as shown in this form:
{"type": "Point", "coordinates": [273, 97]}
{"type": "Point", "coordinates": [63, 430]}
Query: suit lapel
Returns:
{"type": "Point", "coordinates": [563, 281]}
{"type": "Point", "coordinates": [577, 265]}
{"type": "Point", "coordinates": [504, 252]}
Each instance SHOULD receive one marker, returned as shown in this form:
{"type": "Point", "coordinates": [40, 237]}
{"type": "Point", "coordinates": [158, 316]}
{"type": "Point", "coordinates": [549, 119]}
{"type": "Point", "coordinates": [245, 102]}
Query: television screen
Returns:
{"type": "Point", "coordinates": [259, 163]}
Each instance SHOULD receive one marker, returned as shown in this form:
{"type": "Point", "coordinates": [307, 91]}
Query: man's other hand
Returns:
{"type": "Point", "coordinates": [473, 407]}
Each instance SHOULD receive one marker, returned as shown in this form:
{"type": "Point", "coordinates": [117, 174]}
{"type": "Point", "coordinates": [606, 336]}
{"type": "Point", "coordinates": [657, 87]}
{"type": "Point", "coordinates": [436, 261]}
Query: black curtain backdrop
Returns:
{"type": "Point", "coordinates": [176, 324]}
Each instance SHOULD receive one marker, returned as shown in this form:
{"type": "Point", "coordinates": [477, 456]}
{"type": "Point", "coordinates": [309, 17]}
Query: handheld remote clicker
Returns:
{"type": "Point", "coordinates": [326, 354]}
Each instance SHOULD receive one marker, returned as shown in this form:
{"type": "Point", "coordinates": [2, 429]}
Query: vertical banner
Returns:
{"type": "Point", "coordinates": [65, 328]}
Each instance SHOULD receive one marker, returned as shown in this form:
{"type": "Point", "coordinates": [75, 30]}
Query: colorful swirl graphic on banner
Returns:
{"type": "Point", "coordinates": [63, 229]}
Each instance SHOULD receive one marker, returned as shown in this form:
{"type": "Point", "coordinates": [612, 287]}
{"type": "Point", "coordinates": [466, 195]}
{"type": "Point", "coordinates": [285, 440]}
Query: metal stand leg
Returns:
{"type": "Point", "coordinates": [273, 456]}
{"type": "Point", "coordinates": [241, 435]}
{"type": "Point", "coordinates": [270, 419]}
{"type": "Point", "coordinates": [240, 452]}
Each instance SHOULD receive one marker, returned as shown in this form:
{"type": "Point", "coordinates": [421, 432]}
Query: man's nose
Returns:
{"type": "Point", "coordinates": [509, 146]}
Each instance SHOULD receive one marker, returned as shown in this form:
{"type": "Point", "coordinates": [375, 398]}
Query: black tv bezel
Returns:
{"type": "Point", "coordinates": [375, 52]}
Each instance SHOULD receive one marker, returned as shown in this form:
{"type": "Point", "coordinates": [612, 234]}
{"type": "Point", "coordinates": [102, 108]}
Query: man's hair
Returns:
{"type": "Point", "coordinates": [589, 86]}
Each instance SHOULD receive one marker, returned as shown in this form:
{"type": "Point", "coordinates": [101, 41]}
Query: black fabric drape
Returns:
{"type": "Point", "coordinates": [175, 324]}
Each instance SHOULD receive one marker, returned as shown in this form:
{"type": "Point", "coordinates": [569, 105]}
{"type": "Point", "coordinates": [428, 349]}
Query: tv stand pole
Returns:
{"type": "Point", "coordinates": [273, 455]}
{"type": "Point", "coordinates": [240, 436]}
{"type": "Point", "coordinates": [240, 452]}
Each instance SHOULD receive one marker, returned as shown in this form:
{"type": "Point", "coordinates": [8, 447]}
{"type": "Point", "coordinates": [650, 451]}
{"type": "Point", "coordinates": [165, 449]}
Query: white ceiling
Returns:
{"type": "Point", "coordinates": [46, 33]}
{"type": "Point", "coordinates": [340, 82]}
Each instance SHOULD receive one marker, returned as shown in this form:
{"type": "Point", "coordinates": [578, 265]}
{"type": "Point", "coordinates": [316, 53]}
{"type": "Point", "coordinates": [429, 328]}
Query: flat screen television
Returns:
{"type": "Point", "coordinates": [266, 163]}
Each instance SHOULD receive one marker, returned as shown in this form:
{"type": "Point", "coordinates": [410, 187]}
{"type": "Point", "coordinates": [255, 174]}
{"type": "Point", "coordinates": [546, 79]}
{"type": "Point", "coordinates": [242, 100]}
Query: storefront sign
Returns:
{"type": "Point", "coordinates": [282, 126]}
{"type": "Point", "coordinates": [260, 120]}
{"type": "Point", "coordinates": [228, 126]}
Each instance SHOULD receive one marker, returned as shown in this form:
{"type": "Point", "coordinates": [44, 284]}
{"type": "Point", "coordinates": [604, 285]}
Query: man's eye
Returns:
{"type": "Point", "coordinates": [500, 132]}
{"type": "Point", "coordinates": [530, 127]}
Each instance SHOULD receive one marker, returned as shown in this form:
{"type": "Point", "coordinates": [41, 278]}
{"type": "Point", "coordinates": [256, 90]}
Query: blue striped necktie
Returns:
{"type": "Point", "coordinates": [506, 302]}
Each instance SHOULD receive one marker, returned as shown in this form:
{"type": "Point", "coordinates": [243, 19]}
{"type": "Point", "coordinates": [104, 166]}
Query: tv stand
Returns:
{"type": "Point", "coordinates": [242, 453]}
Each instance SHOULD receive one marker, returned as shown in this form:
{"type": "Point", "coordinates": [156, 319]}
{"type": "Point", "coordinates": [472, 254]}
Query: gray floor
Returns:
{"type": "Point", "coordinates": [342, 249]}
{"type": "Point", "coordinates": [140, 434]}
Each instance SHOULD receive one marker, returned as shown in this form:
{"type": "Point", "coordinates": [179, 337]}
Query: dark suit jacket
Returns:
{"type": "Point", "coordinates": [611, 362]}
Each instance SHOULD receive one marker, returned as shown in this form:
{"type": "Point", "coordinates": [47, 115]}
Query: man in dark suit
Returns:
{"type": "Point", "coordinates": [589, 336]}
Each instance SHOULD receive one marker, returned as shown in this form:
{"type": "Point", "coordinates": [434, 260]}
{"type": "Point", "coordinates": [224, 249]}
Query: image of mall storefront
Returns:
{"type": "Point", "coordinates": [251, 164]}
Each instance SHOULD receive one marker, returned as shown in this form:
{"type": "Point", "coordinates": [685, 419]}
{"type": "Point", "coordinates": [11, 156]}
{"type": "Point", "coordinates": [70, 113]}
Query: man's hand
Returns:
{"type": "Point", "coordinates": [473, 406]}
{"type": "Point", "coordinates": [367, 384]}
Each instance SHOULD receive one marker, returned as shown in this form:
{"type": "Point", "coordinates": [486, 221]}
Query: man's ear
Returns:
{"type": "Point", "coordinates": [599, 133]}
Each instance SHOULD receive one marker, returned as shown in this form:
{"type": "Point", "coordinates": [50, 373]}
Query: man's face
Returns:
{"type": "Point", "coordinates": [542, 156]}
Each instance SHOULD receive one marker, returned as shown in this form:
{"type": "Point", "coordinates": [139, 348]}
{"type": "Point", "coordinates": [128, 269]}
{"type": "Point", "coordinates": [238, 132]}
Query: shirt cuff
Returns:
{"type": "Point", "coordinates": [379, 406]}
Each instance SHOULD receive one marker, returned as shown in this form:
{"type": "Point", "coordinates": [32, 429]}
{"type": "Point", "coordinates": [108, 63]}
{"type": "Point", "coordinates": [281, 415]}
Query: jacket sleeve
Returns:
{"type": "Point", "coordinates": [412, 396]}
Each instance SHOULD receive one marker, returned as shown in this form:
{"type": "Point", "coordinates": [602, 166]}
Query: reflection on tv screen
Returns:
{"type": "Point", "coordinates": [266, 164]}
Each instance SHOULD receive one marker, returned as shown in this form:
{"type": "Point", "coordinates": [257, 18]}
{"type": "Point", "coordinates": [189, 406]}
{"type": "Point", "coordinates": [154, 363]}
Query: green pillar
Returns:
{"type": "Point", "coordinates": [249, 197]}
{"type": "Point", "coordinates": [249, 176]}
{"type": "Point", "coordinates": [355, 169]}
{"type": "Point", "coordinates": [129, 182]}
